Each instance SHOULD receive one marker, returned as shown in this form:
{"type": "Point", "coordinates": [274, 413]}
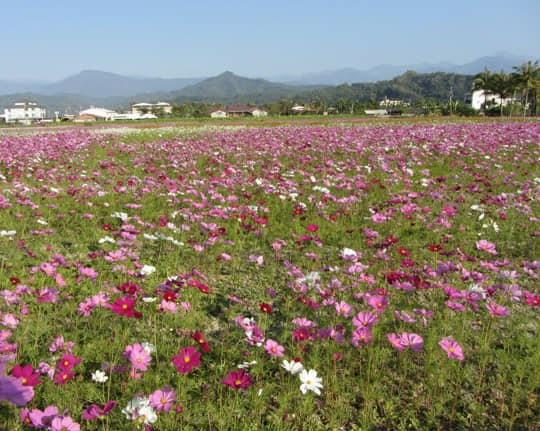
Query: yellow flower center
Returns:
{"type": "Point", "coordinates": [186, 359]}
{"type": "Point", "coordinates": [24, 380]}
{"type": "Point", "coordinates": [237, 382]}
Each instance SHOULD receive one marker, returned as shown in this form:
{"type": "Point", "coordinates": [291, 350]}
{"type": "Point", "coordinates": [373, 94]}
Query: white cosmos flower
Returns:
{"type": "Point", "coordinates": [99, 376]}
{"type": "Point", "coordinates": [106, 239]}
{"type": "Point", "coordinates": [148, 269]}
{"type": "Point", "coordinates": [132, 408]}
{"type": "Point", "coordinates": [310, 382]}
{"type": "Point", "coordinates": [149, 348]}
{"type": "Point", "coordinates": [7, 232]}
{"type": "Point", "coordinates": [148, 415]}
{"type": "Point", "coordinates": [121, 215]}
{"type": "Point", "coordinates": [292, 366]}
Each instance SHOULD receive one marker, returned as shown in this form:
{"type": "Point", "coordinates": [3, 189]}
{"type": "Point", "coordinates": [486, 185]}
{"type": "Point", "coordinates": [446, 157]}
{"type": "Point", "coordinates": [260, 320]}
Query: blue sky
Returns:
{"type": "Point", "coordinates": [167, 38]}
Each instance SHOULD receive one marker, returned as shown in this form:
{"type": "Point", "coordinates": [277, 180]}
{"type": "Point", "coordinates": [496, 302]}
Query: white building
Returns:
{"type": "Point", "coordinates": [479, 98]}
{"type": "Point", "coordinates": [101, 114]}
{"type": "Point", "coordinates": [24, 112]}
{"type": "Point", "coordinates": [218, 113]}
{"type": "Point", "coordinates": [151, 108]}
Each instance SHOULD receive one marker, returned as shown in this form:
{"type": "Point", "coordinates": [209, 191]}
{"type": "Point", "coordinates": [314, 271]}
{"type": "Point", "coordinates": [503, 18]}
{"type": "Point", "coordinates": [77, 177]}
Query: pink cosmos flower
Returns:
{"type": "Point", "coordinates": [414, 341]}
{"type": "Point", "coordinates": [48, 268]}
{"type": "Point", "coordinates": [238, 380]}
{"type": "Point", "coordinates": [64, 423]}
{"type": "Point", "coordinates": [10, 320]}
{"type": "Point", "coordinates": [342, 308]}
{"type": "Point", "coordinates": [169, 306]}
{"type": "Point", "coordinates": [378, 302]}
{"type": "Point", "coordinates": [89, 272]}
{"type": "Point", "coordinates": [452, 348]}
{"type": "Point", "coordinates": [378, 218]}
{"type": "Point", "coordinates": [486, 246]}
{"type": "Point", "coordinates": [138, 356]}
{"type": "Point", "coordinates": [86, 307]}
{"type": "Point", "coordinates": [42, 419]}
{"type": "Point", "coordinates": [361, 335]}
{"type": "Point", "coordinates": [365, 319]}
{"type": "Point", "coordinates": [396, 341]}
{"type": "Point", "coordinates": [163, 399]}
{"type": "Point", "coordinates": [187, 359]}
{"type": "Point", "coordinates": [273, 348]}
{"type": "Point", "coordinates": [303, 322]}
{"type": "Point", "coordinates": [497, 310]}
{"type": "Point", "coordinates": [59, 344]}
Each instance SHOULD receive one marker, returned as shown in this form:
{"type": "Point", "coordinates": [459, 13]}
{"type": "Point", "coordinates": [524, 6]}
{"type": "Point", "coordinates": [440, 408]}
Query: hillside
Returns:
{"type": "Point", "coordinates": [230, 88]}
{"type": "Point", "coordinates": [411, 86]}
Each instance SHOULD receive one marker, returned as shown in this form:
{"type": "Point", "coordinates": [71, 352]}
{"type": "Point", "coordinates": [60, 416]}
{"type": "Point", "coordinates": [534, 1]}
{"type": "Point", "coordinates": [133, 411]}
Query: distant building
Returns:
{"type": "Point", "coordinates": [84, 118]}
{"type": "Point", "coordinates": [393, 103]}
{"type": "Point", "coordinates": [218, 113]}
{"type": "Point", "coordinates": [238, 111]}
{"type": "Point", "coordinates": [376, 112]}
{"type": "Point", "coordinates": [24, 112]}
{"type": "Point", "coordinates": [479, 98]}
{"type": "Point", "coordinates": [151, 108]}
{"type": "Point", "coordinates": [100, 114]}
{"type": "Point", "coordinates": [298, 108]}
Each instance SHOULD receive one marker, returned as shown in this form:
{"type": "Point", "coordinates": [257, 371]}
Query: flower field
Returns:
{"type": "Point", "coordinates": [282, 278]}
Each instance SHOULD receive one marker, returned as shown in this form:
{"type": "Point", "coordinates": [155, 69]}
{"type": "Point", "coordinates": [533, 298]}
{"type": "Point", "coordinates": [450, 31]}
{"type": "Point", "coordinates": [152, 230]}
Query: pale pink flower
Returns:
{"type": "Point", "coordinates": [273, 348]}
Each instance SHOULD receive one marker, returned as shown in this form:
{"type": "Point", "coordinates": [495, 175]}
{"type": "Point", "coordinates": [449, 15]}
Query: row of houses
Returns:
{"type": "Point", "coordinates": [28, 112]}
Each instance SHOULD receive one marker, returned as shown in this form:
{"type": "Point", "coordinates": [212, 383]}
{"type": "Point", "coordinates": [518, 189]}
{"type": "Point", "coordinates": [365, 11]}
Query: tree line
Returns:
{"type": "Point", "coordinates": [520, 88]}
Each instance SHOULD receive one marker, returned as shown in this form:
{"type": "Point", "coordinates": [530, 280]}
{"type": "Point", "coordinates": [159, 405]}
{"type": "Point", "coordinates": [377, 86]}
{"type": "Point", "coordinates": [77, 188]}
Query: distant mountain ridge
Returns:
{"type": "Point", "coordinates": [94, 83]}
{"type": "Point", "coordinates": [495, 63]}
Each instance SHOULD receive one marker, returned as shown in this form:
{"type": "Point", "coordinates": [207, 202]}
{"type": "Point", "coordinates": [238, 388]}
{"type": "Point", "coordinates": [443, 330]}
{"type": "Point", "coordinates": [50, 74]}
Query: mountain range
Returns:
{"type": "Point", "coordinates": [94, 83]}
{"type": "Point", "coordinates": [114, 91]}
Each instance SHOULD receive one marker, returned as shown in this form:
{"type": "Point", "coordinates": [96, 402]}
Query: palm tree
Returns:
{"type": "Point", "coordinates": [527, 76]}
{"type": "Point", "coordinates": [502, 84]}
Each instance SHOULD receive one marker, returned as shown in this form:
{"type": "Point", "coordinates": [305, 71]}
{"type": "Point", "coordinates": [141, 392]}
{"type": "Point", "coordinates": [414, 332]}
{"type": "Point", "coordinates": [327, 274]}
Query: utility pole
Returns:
{"type": "Point", "coordinates": [451, 97]}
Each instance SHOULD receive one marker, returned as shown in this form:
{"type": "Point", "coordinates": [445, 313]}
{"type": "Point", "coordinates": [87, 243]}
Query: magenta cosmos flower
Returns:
{"type": "Point", "coordinates": [12, 389]}
{"type": "Point", "coordinates": [452, 348]}
{"type": "Point", "coordinates": [27, 375]}
{"type": "Point", "coordinates": [238, 380]}
{"type": "Point", "coordinates": [125, 307]}
{"type": "Point", "coordinates": [186, 360]}
{"type": "Point", "coordinates": [94, 411]}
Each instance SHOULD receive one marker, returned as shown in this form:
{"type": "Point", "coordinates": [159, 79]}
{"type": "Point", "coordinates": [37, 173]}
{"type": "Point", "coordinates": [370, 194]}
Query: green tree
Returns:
{"type": "Point", "coordinates": [527, 77]}
{"type": "Point", "coordinates": [502, 85]}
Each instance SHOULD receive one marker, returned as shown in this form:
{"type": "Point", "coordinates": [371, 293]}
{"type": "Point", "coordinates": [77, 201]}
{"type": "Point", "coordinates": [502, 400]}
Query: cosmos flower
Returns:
{"type": "Point", "coordinates": [310, 382]}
